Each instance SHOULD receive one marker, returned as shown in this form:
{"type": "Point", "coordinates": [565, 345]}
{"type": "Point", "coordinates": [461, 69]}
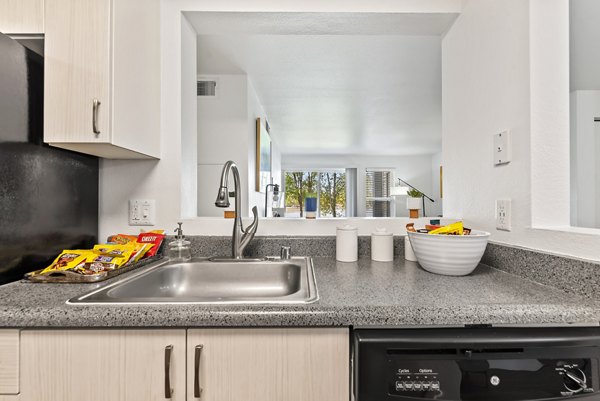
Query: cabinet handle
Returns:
{"type": "Point", "coordinates": [168, 389]}
{"type": "Point", "coordinates": [96, 105]}
{"type": "Point", "coordinates": [197, 354]}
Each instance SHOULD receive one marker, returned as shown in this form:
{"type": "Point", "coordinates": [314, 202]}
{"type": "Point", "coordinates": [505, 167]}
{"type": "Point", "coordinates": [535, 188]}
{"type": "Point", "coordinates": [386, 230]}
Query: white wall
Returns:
{"type": "Point", "coordinates": [436, 208]}
{"type": "Point", "coordinates": [227, 131]}
{"type": "Point", "coordinates": [505, 66]}
{"type": "Point", "coordinates": [222, 136]}
{"type": "Point", "coordinates": [256, 110]}
{"type": "Point", "coordinates": [160, 180]}
{"type": "Point", "coordinates": [585, 37]}
{"type": "Point", "coordinates": [189, 129]}
{"type": "Point", "coordinates": [483, 95]}
{"type": "Point", "coordinates": [585, 203]}
{"type": "Point", "coordinates": [416, 170]}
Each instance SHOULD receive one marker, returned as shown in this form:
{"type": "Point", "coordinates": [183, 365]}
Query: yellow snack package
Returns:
{"type": "Point", "coordinates": [122, 238]}
{"type": "Point", "coordinates": [97, 263]}
{"type": "Point", "coordinates": [451, 229]}
{"type": "Point", "coordinates": [140, 251]}
{"type": "Point", "coordinates": [68, 259]}
{"type": "Point", "coordinates": [121, 250]}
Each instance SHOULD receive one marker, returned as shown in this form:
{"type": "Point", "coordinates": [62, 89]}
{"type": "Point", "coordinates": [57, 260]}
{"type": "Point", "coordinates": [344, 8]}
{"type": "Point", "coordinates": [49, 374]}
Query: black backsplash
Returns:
{"type": "Point", "coordinates": [48, 196]}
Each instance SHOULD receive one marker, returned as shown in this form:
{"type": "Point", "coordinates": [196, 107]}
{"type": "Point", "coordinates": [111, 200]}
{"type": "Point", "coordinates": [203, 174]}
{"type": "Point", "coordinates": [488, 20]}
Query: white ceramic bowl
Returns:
{"type": "Point", "coordinates": [450, 255]}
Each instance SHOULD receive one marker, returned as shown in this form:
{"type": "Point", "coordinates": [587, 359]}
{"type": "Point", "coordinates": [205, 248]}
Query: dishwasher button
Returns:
{"type": "Point", "coordinates": [495, 380]}
{"type": "Point", "coordinates": [400, 386]}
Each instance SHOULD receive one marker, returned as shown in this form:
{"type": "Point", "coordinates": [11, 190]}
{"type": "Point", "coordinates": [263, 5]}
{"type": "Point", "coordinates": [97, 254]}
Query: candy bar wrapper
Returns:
{"type": "Point", "coordinates": [125, 251]}
{"type": "Point", "coordinates": [122, 239]}
{"type": "Point", "coordinates": [68, 259]}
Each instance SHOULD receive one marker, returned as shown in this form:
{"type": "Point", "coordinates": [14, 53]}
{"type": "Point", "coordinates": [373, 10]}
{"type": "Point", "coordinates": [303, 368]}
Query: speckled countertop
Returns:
{"type": "Point", "coordinates": [362, 294]}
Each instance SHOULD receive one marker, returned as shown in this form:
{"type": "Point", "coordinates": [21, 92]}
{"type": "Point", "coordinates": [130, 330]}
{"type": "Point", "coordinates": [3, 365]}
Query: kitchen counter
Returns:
{"type": "Point", "coordinates": [362, 294]}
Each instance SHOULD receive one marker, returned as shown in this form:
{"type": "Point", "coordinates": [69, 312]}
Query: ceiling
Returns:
{"type": "Point", "coordinates": [335, 83]}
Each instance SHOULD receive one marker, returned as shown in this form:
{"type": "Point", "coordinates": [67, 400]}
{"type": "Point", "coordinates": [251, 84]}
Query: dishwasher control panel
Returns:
{"type": "Point", "coordinates": [489, 379]}
{"type": "Point", "coordinates": [421, 380]}
{"type": "Point", "coordinates": [483, 364]}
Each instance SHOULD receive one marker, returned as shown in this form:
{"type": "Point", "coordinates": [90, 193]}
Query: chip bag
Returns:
{"type": "Point", "coordinates": [152, 237]}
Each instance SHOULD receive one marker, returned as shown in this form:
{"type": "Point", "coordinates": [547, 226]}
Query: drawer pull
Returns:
{"type": "Point", "coordinates": [168, 389]}
{"type": "Point", "coordinates": [197, 354]}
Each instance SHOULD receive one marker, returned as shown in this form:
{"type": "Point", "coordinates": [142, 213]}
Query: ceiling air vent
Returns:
{"type": "Point", "coordinates": [207, 88]}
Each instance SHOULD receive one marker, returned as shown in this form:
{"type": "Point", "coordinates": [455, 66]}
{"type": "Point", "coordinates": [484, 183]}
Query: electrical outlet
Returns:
{"type": "Point", "coordinates": [503, 215]}
{"type": "Point", "coordinates": [142, 212]}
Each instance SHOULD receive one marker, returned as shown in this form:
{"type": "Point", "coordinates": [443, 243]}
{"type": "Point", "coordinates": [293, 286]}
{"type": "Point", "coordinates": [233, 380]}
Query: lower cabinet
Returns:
{"type": "Point", "coordinates": [102, 365]}
{"type": "Point", "coordinates": [271, 364]}
{"type": "Point", "coordinates": [268, 364]}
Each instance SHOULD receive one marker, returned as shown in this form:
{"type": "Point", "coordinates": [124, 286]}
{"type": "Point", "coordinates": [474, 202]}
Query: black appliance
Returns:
{"type": "Point", "coordinates": [485, 364]}
{"type": "Point", "coordinates": [48, 196]}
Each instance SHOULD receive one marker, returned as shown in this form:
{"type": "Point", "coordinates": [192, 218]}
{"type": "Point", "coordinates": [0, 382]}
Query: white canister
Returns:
{"type": "Point", "coordinates": [409, 254]}
{"type": "Point", "coordinates": [346, 244]}
{"type": "Point", "coordinates": [382, 245]}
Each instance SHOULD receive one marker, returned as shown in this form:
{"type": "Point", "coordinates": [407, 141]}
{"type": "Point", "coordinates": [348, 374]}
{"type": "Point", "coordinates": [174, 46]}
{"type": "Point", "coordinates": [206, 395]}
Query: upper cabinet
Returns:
{"type": "Point", "coordinates": [22, 16]}
{"type": "Point", "coordinates": [102, 77]}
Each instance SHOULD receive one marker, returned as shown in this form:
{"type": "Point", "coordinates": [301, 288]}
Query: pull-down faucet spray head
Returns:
{"type": "Point", "coordinates": [223, 194]}
{"type": "Point", "coordinates": [222, 197]}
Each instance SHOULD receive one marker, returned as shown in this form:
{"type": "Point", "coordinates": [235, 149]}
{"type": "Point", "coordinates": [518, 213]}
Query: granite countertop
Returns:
{"type": "Point", "coordinates": [362, 294]}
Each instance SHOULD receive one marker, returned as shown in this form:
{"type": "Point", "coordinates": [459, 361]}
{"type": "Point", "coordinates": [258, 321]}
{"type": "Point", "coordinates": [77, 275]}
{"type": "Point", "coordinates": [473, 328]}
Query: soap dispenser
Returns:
{"type": "Point", "coordinates": [179, 249]}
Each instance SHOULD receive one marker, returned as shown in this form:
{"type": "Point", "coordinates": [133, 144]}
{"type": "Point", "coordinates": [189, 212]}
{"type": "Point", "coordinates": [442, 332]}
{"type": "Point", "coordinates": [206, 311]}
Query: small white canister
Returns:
{"type": "Point", "coordinates": [382, 245]}
{"type": "Point", "coordinates": [409, 254]}
{"type": "Point", "coordinates": [346, 244]}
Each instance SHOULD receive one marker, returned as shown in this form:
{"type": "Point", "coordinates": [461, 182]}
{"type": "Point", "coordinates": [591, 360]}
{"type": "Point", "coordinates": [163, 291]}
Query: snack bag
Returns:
{"type": "Point", "coordinates": [122, 239]}
{"type": "Point", "coordinates": [96, 263]}
{"type": "Point", "coordinates": [152, 237]}
{"type": "Point", "coordinates": [140, 251]}
{"type": "Point", "coordinates": [451, 229]}
{"type": "Point", "coordinates": [124, 251]}
{"type": "Point", "coordinates": [68, 259]}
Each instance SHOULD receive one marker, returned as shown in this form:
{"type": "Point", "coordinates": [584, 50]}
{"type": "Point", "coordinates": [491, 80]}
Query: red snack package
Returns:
{"type": "Point", "coordinates": [151, 238]}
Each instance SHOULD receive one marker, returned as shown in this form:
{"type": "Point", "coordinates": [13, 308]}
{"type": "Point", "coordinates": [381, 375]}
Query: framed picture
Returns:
{"type": "Point", "coordinates": [263, 155]}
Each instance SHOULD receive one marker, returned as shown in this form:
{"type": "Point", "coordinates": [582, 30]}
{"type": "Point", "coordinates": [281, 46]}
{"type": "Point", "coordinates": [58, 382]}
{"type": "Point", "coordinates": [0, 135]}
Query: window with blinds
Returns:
{"type": "Point", "coordinates": [378, 185]}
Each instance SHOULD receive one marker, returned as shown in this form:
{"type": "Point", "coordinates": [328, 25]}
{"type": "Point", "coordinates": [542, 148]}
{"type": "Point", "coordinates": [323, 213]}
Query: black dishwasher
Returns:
{"type": "Point", "coordinates": [487, 364]}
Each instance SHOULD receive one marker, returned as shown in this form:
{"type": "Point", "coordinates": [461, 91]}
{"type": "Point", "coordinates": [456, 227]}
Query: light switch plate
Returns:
{"type": "Point", "coordinates": [503, 214]}
{"type": "Point", "coordinates": [502, 148]}
{"type": "Point", "coordinates": [142, 212]}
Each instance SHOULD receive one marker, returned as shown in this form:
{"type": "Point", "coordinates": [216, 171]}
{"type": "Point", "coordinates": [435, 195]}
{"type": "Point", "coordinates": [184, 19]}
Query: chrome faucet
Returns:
{"type": "Point", "coordinates": [241, 237]}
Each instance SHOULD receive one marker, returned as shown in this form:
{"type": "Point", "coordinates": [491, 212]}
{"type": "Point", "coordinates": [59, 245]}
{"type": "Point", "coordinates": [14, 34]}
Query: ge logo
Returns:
{"type": "Point", "coordinates": [495, 380]}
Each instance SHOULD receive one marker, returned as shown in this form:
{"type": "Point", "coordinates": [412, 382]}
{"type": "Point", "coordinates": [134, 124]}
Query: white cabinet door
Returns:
{"type": "Point", "coordinates": [9, 362]}
{"type": "Point", "coordinates": [102, 365]}
{"type": "Point", "coordinates": [299, 364]}
{"type": "Point", "coordinates": [22, 16]}
{"type": "Point", "coordinates": [102, 77]}
{"type": "Point", "coordinates": [77, 71]}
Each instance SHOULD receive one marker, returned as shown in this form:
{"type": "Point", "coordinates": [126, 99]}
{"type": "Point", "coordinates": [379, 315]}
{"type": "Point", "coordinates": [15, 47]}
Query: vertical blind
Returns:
{"type": "Point", "coordinates": [378, 193]}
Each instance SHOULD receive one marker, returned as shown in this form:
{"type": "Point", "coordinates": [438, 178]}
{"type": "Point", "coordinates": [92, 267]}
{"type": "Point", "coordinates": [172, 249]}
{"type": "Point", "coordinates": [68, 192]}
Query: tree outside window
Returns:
{"type": "Point", "coordinates": [328, 186]}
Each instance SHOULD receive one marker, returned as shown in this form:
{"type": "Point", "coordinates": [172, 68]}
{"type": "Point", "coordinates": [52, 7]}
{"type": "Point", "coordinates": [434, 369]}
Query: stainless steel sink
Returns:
{"type": "Point", "coordinates": [201, 281]}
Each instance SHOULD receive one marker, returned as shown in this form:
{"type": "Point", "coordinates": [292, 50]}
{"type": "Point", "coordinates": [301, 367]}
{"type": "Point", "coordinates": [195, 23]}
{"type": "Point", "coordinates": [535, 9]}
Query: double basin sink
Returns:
{"type": "Point", "coordinates": [202, 281]}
